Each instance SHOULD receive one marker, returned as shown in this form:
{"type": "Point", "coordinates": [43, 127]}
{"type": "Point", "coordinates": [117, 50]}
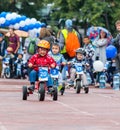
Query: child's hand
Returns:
{"type": "Point", "coordinates": [113, 61]}
{"type": "Point", "coordinates": [68, 62]}
{"type": "Point", "coordinates": [30, 65]}
{"type": "Point", "coordinates": [63, 63]}
{"type": "Point", "coordinates": [1, 57]}
{"type": "Point", "coordinates": [87, 65]}
{"type": "Point", "coordinates": [52, 65]}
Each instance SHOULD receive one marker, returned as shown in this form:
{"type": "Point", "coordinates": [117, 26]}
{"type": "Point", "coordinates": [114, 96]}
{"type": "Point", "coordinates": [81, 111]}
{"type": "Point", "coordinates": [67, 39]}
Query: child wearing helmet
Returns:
{"type": "Point", "coordinates": [40, 58]}
{"type": "Point", "coordinates": [79, 58]}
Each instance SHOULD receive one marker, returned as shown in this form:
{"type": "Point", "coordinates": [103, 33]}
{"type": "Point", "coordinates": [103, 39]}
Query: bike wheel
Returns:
{"type": "Point", "coordinates": [7, 73]}
{"type": "Point", "coordinates": [86, 89]}
{"type": "Point", "coordinates": [41, 92]}
{"type": "Point", "coordinates": [78, 86]}
{"type": "Point", "coordinates": [62, 89]}
{"type": "Point", "coordinates": [55, 93]}
{"type": "Point", "coordinates": [24, 90]}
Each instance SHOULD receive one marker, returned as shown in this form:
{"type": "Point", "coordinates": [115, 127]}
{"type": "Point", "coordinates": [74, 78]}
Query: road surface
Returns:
{"type": "Point", "coordinates": [97, 110]}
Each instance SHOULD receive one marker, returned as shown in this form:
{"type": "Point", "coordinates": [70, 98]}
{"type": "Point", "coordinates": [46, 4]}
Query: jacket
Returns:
{"type": "Point", "coordinates": [116, 42]}
{"type": "Point", "coordinates": [46, 60]}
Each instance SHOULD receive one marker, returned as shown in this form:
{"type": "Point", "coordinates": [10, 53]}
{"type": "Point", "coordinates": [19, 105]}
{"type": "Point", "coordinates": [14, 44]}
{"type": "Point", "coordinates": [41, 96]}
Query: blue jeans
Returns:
{"type": "Point", "coordinates": [33, 75]}
{"type": "Point", "coordinates": [64, 76]}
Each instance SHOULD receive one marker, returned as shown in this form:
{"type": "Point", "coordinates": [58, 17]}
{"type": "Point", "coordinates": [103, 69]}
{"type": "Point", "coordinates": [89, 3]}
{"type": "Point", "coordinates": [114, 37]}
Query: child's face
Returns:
{"type": "Point", "coordinates": [79, 56]}
{"type": "Point", "coordinates": [86, 40]}
{"type": "Point", "coordinates": [20, 56]}
{"type": "Point", "coordinates": [118, 27]}
{"type": "Point", "coordinates": [42, 51]}
{"type": "Point", "coordinates": [55, 49]}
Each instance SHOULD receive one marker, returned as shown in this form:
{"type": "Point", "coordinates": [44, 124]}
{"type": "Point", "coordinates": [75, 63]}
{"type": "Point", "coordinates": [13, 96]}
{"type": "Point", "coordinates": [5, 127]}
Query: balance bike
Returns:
{"type": "Point", "coordinates": [41, 86]}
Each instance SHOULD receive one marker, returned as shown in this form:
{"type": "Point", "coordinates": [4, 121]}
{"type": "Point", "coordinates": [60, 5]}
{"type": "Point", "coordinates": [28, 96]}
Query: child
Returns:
{"type": "Point", "coordinates": [24, 55]}
{"type": "Point", "coordinates": [43, 59]}
{"type": "Point", "coordinates": [78, 59]}
{"type": "Point", "coordinates": [8, 59]}
{"type": "Point", "coordinates": [19, 66]}
{"type": "Point", "coordinates": [89, 50]}
{"type": "Point", "coordinates": [60, 60]}
{"type": "Point", "coordinates": [116, 43]}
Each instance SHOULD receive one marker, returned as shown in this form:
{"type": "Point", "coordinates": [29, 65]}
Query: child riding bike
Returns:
{"type": "Point", "coordinates": [40, 59]}
{"type": "Point", "coordinates": [79, 59]}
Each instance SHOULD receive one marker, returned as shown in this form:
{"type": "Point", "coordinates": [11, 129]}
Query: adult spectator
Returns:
{"type": "Point", "coordinates": [45, 34]}
{"type": "Point", "coordinates": [116, 43]}
{"type": "Point", "coordinates": [3, 46]}
{"type": "Point", "coordinates": [14, 41]}
{"type": "Point", "coordinates": [63, 36]}
{"type": "Point", "coordinates": [100, 44]}
{"type": "Point", "coordinates": [32, 37]}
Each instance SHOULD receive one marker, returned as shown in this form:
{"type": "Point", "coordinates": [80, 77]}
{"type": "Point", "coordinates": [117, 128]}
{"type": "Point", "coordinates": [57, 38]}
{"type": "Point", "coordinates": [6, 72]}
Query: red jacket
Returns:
{"type": "Point", "coordinates": [46, 60]}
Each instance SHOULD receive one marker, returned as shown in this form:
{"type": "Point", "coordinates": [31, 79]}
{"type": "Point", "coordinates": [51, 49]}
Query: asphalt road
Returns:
{"type": "Point", "coordinates": [97, 110]}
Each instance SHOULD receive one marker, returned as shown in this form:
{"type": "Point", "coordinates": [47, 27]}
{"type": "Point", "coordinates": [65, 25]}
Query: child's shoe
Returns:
{"type": "Point", "coordinates": [31, 88]}
{"type": "Point", "coordinates": [60, 87]}
{"type": "Point", "coordinates": [86, 89]}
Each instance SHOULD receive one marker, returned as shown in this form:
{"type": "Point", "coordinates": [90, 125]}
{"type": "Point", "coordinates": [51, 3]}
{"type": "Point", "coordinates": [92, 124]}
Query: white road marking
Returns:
{"type": "Point", "coordinates": [115, 122]}
{"type": "Point", "coordinates": [75, 109]}
{"type": "Point", "coordinates": [72, 108]}
{"type": "Point", "coordinates": [110, 97]}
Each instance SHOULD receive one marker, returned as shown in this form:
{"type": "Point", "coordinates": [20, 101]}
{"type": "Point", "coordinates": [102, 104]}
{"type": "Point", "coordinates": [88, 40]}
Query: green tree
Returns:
{"type": "Point", "coordinates": [88, 12]}
{"type": "Point", "coordinates": [85, 12]}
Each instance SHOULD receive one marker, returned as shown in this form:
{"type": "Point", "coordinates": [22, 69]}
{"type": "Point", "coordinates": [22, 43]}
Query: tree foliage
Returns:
{"type": "Point", "coordinates": [85, 12]}
{"type": "Point", "coordinates": [88, 12]}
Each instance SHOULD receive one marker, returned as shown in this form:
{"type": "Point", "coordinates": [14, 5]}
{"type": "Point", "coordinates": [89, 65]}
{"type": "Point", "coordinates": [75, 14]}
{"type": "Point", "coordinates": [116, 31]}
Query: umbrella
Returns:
{"type": "Point", "coordinates": [93, 32]}
{"type": "Point", "coordinates": [20, 33]}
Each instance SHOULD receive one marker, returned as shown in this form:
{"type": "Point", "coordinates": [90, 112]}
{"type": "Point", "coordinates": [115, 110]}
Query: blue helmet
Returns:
{"type": "Point", "coordinates": [68, 23]}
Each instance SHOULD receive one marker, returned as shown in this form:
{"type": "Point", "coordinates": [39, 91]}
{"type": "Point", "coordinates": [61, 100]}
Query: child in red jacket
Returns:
{"type": "Point", "coordinates": [40, 59]}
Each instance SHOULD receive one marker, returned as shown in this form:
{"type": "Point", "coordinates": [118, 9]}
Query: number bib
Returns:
{"type": "Point", "coordinates": [43, 74]}
{"type": "Point", "coordinates": [79, 69]}
{"type": "Point", "coordinates": [54, 72]}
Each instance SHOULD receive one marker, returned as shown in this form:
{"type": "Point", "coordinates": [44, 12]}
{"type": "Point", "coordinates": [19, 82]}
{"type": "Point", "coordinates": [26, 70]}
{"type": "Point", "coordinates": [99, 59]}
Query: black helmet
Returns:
{"type": "Point", "coordinates": [80, 50]}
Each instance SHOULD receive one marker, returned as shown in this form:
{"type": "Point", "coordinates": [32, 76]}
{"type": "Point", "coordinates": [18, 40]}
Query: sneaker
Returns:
{"type": "Point", "coordinates": [86, 89]}
{"type": "Point", "coordinates": [97, 85]}
{"type": "Point", "coordinates": [60, 87]}
{"type": "Point", "coordinates": [50, 90]}
{"type": "Point", "coordinates": [31, 88]}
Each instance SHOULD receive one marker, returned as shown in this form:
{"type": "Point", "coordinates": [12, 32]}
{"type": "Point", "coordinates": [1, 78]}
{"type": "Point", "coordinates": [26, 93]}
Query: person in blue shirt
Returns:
{"type": "Point", "coordinates": [60, 60]}
{"type": "Point", "coordinates": [78, 59]}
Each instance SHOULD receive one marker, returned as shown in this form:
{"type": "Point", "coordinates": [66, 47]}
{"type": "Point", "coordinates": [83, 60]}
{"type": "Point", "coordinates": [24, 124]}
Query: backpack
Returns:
{"type": "Point", "coordinates": [32, 47]}
{"type": "Point", "coordinates": [72, 43]}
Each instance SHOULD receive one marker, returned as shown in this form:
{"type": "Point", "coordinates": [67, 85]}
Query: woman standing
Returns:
{"type": "Point", "coordinates": [100, 47]}
{"type": "Point", "coordinates": [14, 41]}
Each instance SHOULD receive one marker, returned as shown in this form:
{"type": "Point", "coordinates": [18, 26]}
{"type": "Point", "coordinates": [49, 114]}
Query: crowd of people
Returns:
{"type": "Point", "coordinates": [54, 50]}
